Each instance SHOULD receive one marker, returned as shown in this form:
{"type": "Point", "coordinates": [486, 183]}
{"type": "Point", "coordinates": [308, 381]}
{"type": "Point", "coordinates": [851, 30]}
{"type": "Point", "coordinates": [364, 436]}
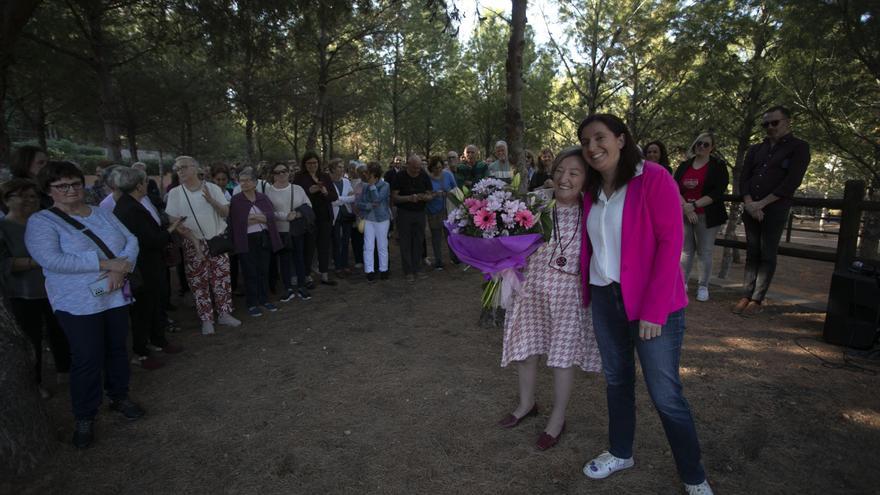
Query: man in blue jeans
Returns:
{"type": "Point", "coordinates": [772, 172]}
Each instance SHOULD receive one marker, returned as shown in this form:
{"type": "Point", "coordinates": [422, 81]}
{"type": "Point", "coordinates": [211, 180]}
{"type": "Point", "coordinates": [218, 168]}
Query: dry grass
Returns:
{"type": "Point", "coordinates": [392, 388]}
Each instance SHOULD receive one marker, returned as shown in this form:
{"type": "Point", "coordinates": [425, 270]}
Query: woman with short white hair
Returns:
{"type": "Point", "coordinates": [204, 209]}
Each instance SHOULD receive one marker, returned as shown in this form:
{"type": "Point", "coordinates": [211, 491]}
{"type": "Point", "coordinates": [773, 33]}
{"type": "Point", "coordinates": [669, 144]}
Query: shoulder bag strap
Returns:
{"type": "Point", "coordinates": [195, 217]}
{"type": "Point", "coordinates": [85, 230]}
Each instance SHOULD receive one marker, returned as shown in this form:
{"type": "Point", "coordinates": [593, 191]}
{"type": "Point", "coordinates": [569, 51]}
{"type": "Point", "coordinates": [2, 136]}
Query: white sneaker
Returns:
{"type": "Point", "coordinates": [228, 320]}
{"type": "Point", "coordinates": [605, 465]}
{"type": "Point", "coordinates": [153, 348]}
{"type": "Point", "coordinates": [702, 293]}
{"type": "Point", "coordinates": [207, 328]}
{"type": "Point", "coordinates": [701, 489]}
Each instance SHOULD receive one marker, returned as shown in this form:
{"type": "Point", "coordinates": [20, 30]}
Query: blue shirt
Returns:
{"type": "Point", "coordinates": [445, 183]}
{"type": "Point", "coordinates": [70, 259]}
{"type": "Point", "coordinates": [373, 202]}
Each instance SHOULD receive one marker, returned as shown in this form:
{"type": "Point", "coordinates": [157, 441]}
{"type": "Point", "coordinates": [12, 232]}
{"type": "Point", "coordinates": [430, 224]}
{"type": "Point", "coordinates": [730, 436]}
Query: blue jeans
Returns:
{"type": "Point", "coordinates": [97, 347]}
{"type": "Point", "coordinates": [341, 238]}
{"type": "Point", "coordinates": [617, 338]}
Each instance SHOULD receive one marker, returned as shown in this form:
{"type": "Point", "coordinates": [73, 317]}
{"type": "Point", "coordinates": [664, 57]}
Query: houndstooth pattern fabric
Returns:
{"type": "Point", "coordinates": [548, 316]}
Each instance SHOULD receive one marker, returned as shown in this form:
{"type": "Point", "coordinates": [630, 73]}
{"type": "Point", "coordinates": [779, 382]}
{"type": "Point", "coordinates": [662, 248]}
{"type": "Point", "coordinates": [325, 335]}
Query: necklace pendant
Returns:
{"type": "Point", "coordinates": [561, 261]}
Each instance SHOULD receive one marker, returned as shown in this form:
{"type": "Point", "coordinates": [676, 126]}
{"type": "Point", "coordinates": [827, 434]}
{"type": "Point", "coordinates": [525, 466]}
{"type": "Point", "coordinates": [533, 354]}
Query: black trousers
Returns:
{"type": "Point", "coordinates": [411, 235]}
{"type": "Point", "coordinates": [255, 267]}
{"type": "Point", "coordinates": [320, 241]}
{"type": "Point", "coordinates": [762, 243]}
{"type": "Point", "coordinates": [148, 320]}
{"type": "Point", "coordinates": [32, 316]}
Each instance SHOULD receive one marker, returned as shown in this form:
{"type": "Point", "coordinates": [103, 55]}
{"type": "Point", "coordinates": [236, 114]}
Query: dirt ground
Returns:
{"type": "Point", "coordinates": [394, 388]}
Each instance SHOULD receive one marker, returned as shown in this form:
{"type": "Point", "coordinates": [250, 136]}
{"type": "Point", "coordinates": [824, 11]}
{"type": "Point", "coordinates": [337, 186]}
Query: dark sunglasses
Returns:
{"type": "Point", "coordinates": [770, 123]}
{"type": "Point", "coordinates": [703, 144]}
{"type": "Point", "coordinates": [280, 171]}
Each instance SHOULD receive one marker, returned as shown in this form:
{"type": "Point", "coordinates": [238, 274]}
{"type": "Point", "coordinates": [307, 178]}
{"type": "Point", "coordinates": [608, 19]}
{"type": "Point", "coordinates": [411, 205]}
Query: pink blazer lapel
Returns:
{"type": "Point", "coordinates": [631, 206]}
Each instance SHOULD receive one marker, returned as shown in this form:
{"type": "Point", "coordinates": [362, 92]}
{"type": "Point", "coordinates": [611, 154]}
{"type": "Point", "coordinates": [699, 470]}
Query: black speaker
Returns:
{"type": "Point", "coordinates": [853, 316]}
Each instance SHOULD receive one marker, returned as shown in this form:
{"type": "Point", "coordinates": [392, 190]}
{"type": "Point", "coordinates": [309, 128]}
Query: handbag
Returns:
{"type": "Point", "coordinates": [305, 223]}
{"type": "Point", "coordinates": [217, 245]}
{"type": "Point", "coordinates": [133, 280]}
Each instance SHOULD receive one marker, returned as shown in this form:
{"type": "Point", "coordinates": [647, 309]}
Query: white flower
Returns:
{"type": "Point", "coordinates": [488, 185]}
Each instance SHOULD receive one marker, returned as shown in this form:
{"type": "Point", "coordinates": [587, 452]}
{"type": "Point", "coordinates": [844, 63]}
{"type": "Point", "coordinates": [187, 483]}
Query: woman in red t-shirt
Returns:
{"type": "Point", "coordinates": [702, 180]}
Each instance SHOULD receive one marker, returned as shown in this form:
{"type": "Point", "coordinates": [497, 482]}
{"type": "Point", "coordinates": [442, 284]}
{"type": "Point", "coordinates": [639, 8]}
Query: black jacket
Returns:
{"type": "Point", "coordinates": [717, 179]}
{"type": "Point", "coordinates": [152, 239]}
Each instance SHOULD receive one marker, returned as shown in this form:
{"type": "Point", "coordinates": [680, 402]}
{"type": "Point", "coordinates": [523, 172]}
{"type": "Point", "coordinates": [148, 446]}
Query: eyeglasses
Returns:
{"type": "Point", "coordinates": [703, 144]}
{"type": "Point", "coordinates": [280, 171]}
{"type": "Point", "coordinates": [67, 186]}
{"type": "Point", "coordinates": [771, 123]}
{"type": "Point", "coordinates": [181, 167]}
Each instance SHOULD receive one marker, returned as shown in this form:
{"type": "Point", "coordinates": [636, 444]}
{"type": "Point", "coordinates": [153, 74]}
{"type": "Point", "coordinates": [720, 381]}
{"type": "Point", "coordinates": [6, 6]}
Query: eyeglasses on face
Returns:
{"type": "Point", "coordinates": [181, 167]}
{"type": "Point", "coordinates": [703, 144]}
{"type": "Point", "coordinates": [280, 171]}
{"type": "Point", "coordinates": [67, 186]}
{"type": "Point", "coordinates": [771, 123]}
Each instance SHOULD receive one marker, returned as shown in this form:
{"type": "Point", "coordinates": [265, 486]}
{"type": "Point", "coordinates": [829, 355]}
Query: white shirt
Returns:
{"type": "Point", "coordinates": [605, 227]}
{"type": "Point", "coordinates": [211, 223]}
{"type": "Point", "coordinates": [284, 204]}
{"type": "Point", "coordinates": [346, 198]}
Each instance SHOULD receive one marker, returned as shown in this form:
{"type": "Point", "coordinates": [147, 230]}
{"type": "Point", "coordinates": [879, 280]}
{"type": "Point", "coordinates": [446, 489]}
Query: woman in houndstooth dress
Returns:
{"type": "Point", "coordinates": [548, 316]}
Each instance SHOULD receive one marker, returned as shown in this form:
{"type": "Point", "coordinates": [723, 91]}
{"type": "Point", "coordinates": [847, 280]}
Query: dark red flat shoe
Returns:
{"type": "Point", "coordinates": [511, 421]}
{"type": "Point", "coordinates": [546, 441]}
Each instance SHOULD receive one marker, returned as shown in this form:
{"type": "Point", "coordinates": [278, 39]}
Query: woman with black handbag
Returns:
{"type": "Point", "coordinates": [204, 208]}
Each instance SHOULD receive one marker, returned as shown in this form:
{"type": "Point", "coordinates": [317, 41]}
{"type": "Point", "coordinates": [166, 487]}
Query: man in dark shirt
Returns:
{"type": "Point", "coordinates": [772, 172]}
{"type": "Point", "coordinates": [410, 191]}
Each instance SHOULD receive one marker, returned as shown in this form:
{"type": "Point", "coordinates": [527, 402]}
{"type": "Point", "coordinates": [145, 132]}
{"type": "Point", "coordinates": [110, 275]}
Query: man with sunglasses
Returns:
{"type": "Point", "coordinates": [772, 172]}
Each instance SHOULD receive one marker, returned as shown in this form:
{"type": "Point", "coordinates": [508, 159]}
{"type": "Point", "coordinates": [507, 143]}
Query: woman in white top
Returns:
{"type": "Point", "coordinates": [205, 208]}
{"type": "Point", "coordinates": [343, 217]}
{"type": "Point", "coordinates": [286, 197]}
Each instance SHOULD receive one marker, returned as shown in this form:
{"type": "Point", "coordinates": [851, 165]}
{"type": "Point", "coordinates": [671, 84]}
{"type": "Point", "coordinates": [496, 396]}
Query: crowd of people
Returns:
{"type": "Point", "coordinates": [86, 266]}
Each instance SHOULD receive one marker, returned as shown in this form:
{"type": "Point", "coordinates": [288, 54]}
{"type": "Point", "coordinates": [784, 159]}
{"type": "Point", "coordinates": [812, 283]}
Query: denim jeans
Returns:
{"type": "Point", "coordinates": [341, 238]}
{"type": "Point", "coordinates": [618, 338]}
{"type": "Point", "coordinates": [762, 242]}
{"type": "Point", "coordinates": [97, 347]}
{"type": "Point", "coordinates": [255, 268]}
{"type": "Point", "coordinates": [699, 240]}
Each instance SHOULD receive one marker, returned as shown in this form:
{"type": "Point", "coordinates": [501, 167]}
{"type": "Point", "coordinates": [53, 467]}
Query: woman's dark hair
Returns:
{"type": "Point", "coordinates": [436, 161]}
{"type": "Point", "coordinates": [308, 155]}
{"type": "Point", "coordinates": [540, 160]}
{"type": "Point", "coordinates": [664, 156]}
{"type": "Point", "coordinates": [22, 159]}
{"type": "Point", "coordinates": [55, 171]}
{"type": "Point", "coordinates": [374, 169]}
{"type": "Point", "coordinates": [16, 185]}
{"type": "Point", "coordinates": [630, 156]}
{"type": "Point", "coordinates": [220, 168]}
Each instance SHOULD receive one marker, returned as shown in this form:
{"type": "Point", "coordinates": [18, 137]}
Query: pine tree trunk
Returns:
{"type": "Point", "coordinates": [25, 437]}
{"type": "Point", "coordinates": [513, 117]}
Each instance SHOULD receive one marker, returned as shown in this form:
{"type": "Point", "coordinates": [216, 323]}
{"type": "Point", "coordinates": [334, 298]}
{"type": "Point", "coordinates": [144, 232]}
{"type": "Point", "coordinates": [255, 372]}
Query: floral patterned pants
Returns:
{"type": "Point", "coordinates": [206, 275]}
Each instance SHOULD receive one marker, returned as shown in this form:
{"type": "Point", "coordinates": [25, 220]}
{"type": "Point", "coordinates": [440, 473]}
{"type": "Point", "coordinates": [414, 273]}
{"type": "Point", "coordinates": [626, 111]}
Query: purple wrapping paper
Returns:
{"type": "Point", "coordinates": [494, 255]}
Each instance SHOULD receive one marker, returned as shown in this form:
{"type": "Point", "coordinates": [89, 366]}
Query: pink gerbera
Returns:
{"type": "Point", "coordinates": [525, 218]}
{"type": "Point", "coordinates": [474, 205]}
{"type": "Point", "coordinates": [484, 219]}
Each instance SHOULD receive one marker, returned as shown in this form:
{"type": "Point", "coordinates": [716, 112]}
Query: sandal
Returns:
{"type": "Point", "coordinates": [605, 465]}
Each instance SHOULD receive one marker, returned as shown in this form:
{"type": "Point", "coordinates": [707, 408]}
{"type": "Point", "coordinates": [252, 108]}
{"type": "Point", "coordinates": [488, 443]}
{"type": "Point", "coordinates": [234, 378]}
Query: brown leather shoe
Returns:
{"type": "Point", "coordinates": [741, 305]}
{"type": "Point", "coordinates": [753, 308]}
{"type": "Point", "coordinates": [546, 441]}
{"type": "Point", "coordinates": [510, 420]}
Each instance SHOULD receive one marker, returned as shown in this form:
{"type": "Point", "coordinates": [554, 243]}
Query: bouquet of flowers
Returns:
{"type": "Point", "coordinates": [495, 228]}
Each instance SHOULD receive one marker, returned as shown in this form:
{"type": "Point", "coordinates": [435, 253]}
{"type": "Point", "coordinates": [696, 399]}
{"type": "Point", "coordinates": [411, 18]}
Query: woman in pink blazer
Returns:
{"type": "Point", "coordinates": [630, 271]}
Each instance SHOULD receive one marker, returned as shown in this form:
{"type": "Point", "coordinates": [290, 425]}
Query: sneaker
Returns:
{"type": "Point", "coordinates": [170, 348]}
{"type": "Point", "coordinates": [291, 295]}
{"type": "Point", "coordinates": [153, 348]}
{"type": "Point", "coordinates": [438, 268]}
{"type": "Point", "coordinates": [304, 294]}
{"type": "Point", "coordinates": [701, 489]}
{"type": "Point", "coordinates": [310, 284]}
{"type": "Point", "coordinates": [358, 265]}
{"type": "Point", "coordinates": [702, 293]}
{"type": "Point", "coordinates": [228, 320]}
{"type": "Point", "coordinates": [605, 465]}
{"type": "Point", "coordinates": [83, 433]}
{"type": "Point", "coordinates": [207, 328]}
{"type": "Point", "coordinates": [371, 277]}
{"type": "Point", "coordinates": [270, 307]}
{"type": "Point", "coordinates": [384, 275]}
{"type": "Point", "coordinates": [127, 408]}
{"type": "Point", "coordinates": [255, 311]}
{"type": "Point", "coordinates": [146, 362]}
